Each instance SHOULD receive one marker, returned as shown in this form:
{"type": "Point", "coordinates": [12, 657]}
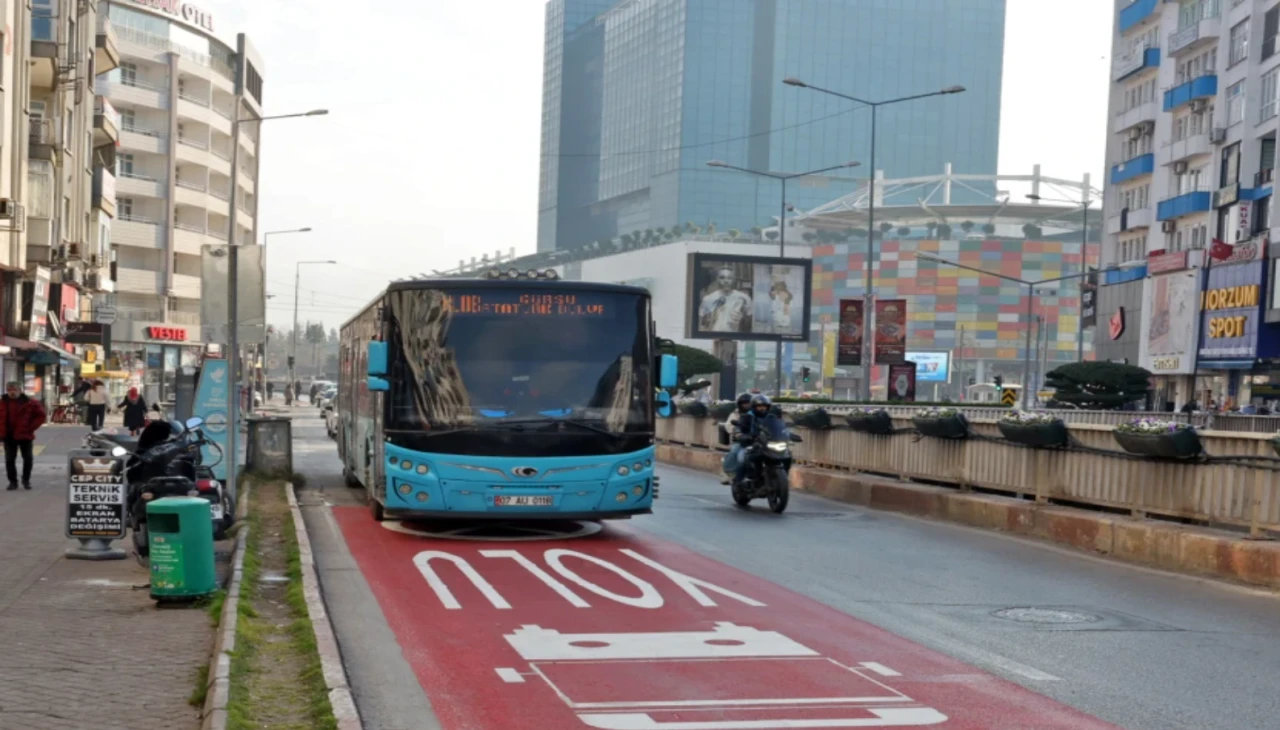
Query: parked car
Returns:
{"type": "Point", "coordinates": [326, 399]}
{"type": "Point", "coordinates": [331, 421]}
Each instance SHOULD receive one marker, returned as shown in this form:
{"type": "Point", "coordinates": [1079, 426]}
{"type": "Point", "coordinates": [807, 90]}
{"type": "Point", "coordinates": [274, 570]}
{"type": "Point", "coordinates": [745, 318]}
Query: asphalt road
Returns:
{"type": "Point", "coordinates": [1138, 648]}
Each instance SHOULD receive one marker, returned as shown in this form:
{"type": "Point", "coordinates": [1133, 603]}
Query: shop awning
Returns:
{"type": "Point", "coordinates": [67, 357]}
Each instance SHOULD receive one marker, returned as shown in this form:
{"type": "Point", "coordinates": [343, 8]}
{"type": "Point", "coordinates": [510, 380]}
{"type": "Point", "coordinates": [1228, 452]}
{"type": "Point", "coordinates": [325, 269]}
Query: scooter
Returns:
{"type": "Point", "coordinates": [768, 465]}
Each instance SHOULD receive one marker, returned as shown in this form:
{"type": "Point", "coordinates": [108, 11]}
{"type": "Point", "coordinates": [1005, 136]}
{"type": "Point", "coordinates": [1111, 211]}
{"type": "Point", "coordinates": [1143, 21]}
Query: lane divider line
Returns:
{"type": "Point", "coordinates": [509, 675]}
{"type": "Point", "coordinates": [880, 669]}
{"type": "Point", "coordinates": [335, 675]}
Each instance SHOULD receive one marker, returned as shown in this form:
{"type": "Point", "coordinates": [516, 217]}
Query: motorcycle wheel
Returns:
{"type": "Point", "coordinates": [740, 496]}
{"type": "Point", "coordinates": [138, 531]}
{"type": "Point", "coordinates": [780, 494]}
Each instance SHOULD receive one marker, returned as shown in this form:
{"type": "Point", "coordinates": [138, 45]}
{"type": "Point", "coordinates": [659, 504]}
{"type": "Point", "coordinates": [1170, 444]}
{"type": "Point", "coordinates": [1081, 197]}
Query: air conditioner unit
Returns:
{"type": "Point", "coordinates": [8, 209]}
{"type": "Point", "coordinates": [1180, 168]}
{"type": "Point", "coordinates": [1168, 226]}
{"type": "Point", "coordinates": [1217, 134]}
{"type": "Point", "coordinates": [73, 250]}
{"type": "Point", "coordinates": [1198, 105]}
{"type": "Point", "coordinates": [1148, 129]}
{"type": "Point", "coordinates": [1135, 133]}
{"type": "Point", "coordinates": [93, 281]}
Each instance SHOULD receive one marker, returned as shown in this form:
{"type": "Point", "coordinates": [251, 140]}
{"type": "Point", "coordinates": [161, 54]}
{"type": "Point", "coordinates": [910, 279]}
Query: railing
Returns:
{"type": "Point", "coordinates": [219, 194]}
{"type": "Point", "coordinates": [188, 227]}
{"type": "Point", "coordinates": [219, 153]}
{"type": "Point", "coordinates": [135, 176]}
{"type": "Point", "coordinates": [193, 185]}
{"type": "Point", "coordinates": [136, 84]}
{"type": "Point", "coordinates": [136, 219]}
{"type": "Point", "coordinates": [184, 317]}
{"type": "Point", "coordinates": [140, 315]}
{"type": "Point", "coordinates": [195, 100]}
{"type": "Point", "coordinates": [160, 43]}
{"type": "Point", "coordinates": [40, 131]}
{"type": "Point", "coordinates": [191, 142]}
{"type": "Point", "coordinates": [221, 112]}
{"type": "Point", "coordinates": [134, 129]}
{"type": "Point", "coordinates": [1238, 493]}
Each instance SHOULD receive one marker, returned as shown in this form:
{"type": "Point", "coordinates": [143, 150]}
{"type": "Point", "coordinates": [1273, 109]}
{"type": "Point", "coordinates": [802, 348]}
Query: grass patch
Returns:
{"type": "Point", "coordinates": [201, 691]}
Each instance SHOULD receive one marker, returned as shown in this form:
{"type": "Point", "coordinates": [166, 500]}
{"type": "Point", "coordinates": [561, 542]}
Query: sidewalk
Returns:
{"type": "Point", "coordinates": [79, 647]}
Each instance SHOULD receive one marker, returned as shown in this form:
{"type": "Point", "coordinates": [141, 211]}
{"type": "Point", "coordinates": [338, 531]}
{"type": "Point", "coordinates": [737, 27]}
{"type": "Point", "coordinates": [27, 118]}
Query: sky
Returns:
{"type": "Point", "coordinates": [430, 152]}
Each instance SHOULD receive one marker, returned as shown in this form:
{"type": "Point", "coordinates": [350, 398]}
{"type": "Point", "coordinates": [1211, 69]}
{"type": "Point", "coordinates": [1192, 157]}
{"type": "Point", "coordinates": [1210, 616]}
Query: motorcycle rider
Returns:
{"type": "Point", "coordinates": [748, 427]}
{"type": "Point", "coordinates": [730, 462]}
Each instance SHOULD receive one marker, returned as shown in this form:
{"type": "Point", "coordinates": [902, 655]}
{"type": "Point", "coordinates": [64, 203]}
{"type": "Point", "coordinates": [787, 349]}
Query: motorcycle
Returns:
{"type": "Point", "coordinates": [166, 462]}
{"type": "Point", "coordinates": [768, 464]}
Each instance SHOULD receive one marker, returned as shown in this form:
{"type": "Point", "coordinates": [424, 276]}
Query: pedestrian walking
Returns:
{"type": "Point", "coordinates": [134, 407]}
{"type": "Point", "coordinates": [97, 400]}
{"type": "Point", "coordinates": [20, 418]}
{"type": "Point", "coordinates": [271, 390]}
{"type": "Point", "coordinates": [288, 394]}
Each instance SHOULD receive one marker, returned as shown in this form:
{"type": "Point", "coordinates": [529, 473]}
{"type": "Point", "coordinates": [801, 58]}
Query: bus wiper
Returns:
{"type": "Point", "coordinates": [579, 423]}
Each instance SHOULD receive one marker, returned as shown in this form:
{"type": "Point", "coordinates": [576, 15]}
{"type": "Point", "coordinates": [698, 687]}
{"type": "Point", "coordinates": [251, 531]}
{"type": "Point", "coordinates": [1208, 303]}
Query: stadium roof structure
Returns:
{"type": "Point", "coordinates": [932, 202]}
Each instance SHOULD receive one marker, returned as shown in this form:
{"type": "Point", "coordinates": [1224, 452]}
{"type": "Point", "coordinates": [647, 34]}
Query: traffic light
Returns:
{"type": "Point", "coordinates": [804, 373]}
{"type": "Point", "coordinates": [291, 361]}
{"type": "Point", "coordinates": [998, 380]}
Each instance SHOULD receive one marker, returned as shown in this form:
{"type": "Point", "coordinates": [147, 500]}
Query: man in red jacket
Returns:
{"type": "Point", "coordinates": [20, 416]}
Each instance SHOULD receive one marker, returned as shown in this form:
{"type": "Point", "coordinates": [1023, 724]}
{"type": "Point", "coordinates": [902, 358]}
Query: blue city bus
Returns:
{"type": "Point", "coordinates": [516, 396]}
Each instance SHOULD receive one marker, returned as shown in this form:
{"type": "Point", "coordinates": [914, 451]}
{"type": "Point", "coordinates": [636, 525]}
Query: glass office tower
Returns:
{"type": "Point", "coordinates": [639, 94]}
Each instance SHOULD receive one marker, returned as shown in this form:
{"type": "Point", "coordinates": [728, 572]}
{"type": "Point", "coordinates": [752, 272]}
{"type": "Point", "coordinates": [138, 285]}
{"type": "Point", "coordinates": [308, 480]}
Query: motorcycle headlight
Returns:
{"type": "Point", "coordinates": [778, 446]}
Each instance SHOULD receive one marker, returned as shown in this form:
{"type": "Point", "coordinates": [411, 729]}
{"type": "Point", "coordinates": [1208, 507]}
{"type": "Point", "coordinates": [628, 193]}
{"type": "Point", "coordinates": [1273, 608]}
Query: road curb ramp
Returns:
{"type": "Point", "coordinates": [1184, 549]}
{"type": "Point", "coordinates": [335, 675]}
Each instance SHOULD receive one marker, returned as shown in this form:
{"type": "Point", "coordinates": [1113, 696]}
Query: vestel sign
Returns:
{"type": "Point", "coordinates": [169, 334]}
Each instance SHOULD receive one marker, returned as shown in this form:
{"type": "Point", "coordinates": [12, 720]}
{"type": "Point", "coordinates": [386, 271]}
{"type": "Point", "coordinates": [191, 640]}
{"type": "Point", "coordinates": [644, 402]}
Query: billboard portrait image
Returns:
{"type": "Point", "coordinates": [748, 297]}
{"type": "Point", "coordinates": [850, 352]}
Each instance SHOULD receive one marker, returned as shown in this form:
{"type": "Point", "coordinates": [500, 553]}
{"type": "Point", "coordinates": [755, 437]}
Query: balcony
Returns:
{"type": "Point", "coordinates": [1202, 87]}
{"type": "Point", "coordinates": [1131, 169]}
{"type": "Point", "coordinates": [1136, 12]}
{"type": "Point", "coordinates": [135, 93]}
{"type": "Point", "coordinates": [1133, 63]}
{"type": "Point", "coordinates": [44, 48]}
{"type": "Point", "coordinates": [136, 232]}
{"type": "Point", "coordinates": [1198, 34]}
{"type": "Point", "coordinates": [1197, 201]}
{"type": "Point", "coordinates": [42, 137]}
{"type": "Point", "coordinates": [139, 281]}
{"type": "Point", "coordinates": [1129, 220]}
{"type": "Point", "coordinates": [106, 123]}
{"type": "Point", "coordinates": [137, 185]}
{"type": "Point", "coordinates": [186, 287]}
{"type": "Point", "coordinates": [191, 239]}
{"type": "Point", "coordinates": [139, 139]}
{"type": "Point", "coordinates": [1186, 148]}
{"type": "Point", "coordinates": [1133, 117]}
{"type": "Point", "coordinates": [106, 51]}
{"type": "Point", "coordinates": [104, 190]}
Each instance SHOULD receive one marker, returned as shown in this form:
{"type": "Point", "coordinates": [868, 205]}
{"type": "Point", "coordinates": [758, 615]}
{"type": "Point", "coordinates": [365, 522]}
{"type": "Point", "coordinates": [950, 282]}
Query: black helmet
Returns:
{"type": "Point", "coordinates": [761, 400]}
{"type": "Point", "coordinates": [744, 399]}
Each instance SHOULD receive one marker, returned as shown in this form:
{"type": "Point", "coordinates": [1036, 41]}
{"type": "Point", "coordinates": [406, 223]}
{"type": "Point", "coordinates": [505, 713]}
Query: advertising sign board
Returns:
{"type": "Point", "coordinates": [748, 298]}
{"type": "Point", "coordinates": [902, 382]}
{"type": "Point", "coordinates": [1167, 342]}
{"type": "Point", "coordinates": [851, 331]}
{"type": "Point", "coordinates": [931, 367]}
{"type": "Point", "coordinates": [1232, 311]}
{"type": "Point", "coordinates": [891, 331]}
{"type": "Point", "coordinates": [211, 405]}
{"type": "Point", "coordinates": [95, 496]}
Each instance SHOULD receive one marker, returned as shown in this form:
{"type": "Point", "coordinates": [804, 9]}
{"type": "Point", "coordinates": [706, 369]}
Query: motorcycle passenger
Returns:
{"type": "Point", "coordinates": [730, 462]}
{"type": "Point", "coordinates": [748, 428]}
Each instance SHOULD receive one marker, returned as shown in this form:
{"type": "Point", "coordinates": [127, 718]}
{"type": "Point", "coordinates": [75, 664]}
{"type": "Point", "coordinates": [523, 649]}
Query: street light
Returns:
{"type": "Point", "coordinates": [1084, 259]}
{"type": "Point", "coordinates": [293, 347]}
{"type": "Point", "coordinates": [871, 202]}
{"type": "Point", "coordinates": [233, 283]}
{"type": "Point", "coordinates": [1031, 286]}
{"type": "Point", "coordinates": [269, 234]}
{"type": "Point", "coordinates": [782, 226]}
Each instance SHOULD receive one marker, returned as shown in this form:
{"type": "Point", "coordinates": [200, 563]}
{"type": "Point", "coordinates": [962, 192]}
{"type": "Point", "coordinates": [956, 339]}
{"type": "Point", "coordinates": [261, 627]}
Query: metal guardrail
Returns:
{"type": "Point", "coordinates": [1237, 493]}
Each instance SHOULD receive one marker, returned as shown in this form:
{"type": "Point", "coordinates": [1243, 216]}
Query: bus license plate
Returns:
{"type": "Point", "coordinates": [522, 501]}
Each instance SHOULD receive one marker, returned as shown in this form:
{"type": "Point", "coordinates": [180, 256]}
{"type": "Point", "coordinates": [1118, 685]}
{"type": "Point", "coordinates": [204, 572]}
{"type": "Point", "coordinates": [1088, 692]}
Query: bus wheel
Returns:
{"type": "Point", "coordinates": [375, 509]}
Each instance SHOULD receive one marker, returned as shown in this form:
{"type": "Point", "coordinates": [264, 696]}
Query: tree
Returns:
{"type": "Point", "coordinates": [734, 233]}
{"type": "Point", "coordinates": [757, 230]}
{"type": "Point", "coordinates": [1099, 385]}
{"type": "Point", "coordinates": [944, 231]}
{"type": "Point", "coordinates": [315, 336]}
{"type": "Point", "coordinates": [932, 227]}
{"type": "Point", "coordinates": [809, 236]}
{"type": "Point", "coordinates": [989, 229]}
{"type": "Point", "coordinates": [771, 235]}
{"type": "Point", "coordinates": [904, 231]}
{"type": "Point", "coordinates": [966, 226]}
{"type": "Point", "coordinates": [692, 361]}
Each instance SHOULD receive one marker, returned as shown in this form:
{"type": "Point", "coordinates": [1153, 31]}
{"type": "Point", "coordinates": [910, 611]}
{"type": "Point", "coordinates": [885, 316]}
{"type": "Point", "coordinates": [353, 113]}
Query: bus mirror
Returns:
{"type": "Point", "coordinates": [377, 358]}
{"type": "Point", "coordinates": [377, 384]}
{"type": "Point", "coordinates": [663, 400]}
{"type": "Point", "coordinates": [667, 371]}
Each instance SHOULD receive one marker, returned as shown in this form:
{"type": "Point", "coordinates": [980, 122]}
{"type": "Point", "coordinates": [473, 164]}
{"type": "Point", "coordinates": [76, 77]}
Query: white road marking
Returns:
{"type": "Point", "coordinates": [884, 717]}
{"type": "Point", "coordinates": [423, 561]}
{"type": "Point", "coordinates": [541, 575]}
{"type": "Point", "coordinates": [509, 675]}
{"type": "Point", "coordinates": [649, 596]}
{"type": "Point", "coordinates": [692, 585]}
{"type": "Point", "coordinates": [880, 669]}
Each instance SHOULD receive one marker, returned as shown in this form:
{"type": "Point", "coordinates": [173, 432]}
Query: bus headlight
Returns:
{"type": "Point", "coordinates": [406, 465]}
{"type": "Point", "coordinates": [620, 497]}
{"type": "Point", "coordinates": [623, 470]}
{"type": "Point", "coordinates": [405, 489]}
{"type": "Point", "coordinates": [422, 496]}
{"type": "Point", "coordinates": [422, 468]}
{"type": "Point", "coordinates": [648, 463]}
{"type": "Point", "coordinates": [637, 490]}
{"type": "Point", "coordinates": [637, 466]}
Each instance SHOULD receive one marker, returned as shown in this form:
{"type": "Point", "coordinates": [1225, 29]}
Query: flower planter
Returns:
{"type": "Point", "coordinates": [1047, 434]}
{"type": "Point", "coordinates": [697, 409]}
{"type": "Point", "coordinates": [1181, 444]}
{"type": "Point", "coordinates": [818, 419]}
{"type": "Point", "coordinates": [876, 422]}
{"type": "Point", "coordinates": [943, 427]}
{"type": "Point", "coordinates": [721, 411]}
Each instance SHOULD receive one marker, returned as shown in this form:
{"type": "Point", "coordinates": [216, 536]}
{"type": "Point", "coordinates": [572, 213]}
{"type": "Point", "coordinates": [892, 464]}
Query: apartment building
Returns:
{"type": "Point", "coordinates": [176, 92]}
{"type": "Point", "coordinates": [1190, 154]}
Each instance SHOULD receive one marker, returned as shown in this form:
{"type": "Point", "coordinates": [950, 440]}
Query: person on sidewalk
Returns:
{"type": "Point", "coordinates": [288, 394]}
{"type": "Point", "coordinates": [97, 400]}
{"type": "Point", "coordinates": [271, 390]}
{"type": "Point", "coordinates": [134, 407]}
{"type": "Point", "coordinates": [20, 418]}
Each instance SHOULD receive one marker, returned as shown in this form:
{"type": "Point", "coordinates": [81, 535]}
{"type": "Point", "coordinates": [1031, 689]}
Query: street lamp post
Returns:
{"type": "Point", "coordinates": [871, 206]}
{"type": "Point", "coordinates": [266, 237]}
{"type": "Point", "coordinates": [1084, 262]}
{"type": "Point", "coordinates": [233, 283]}
{"type": "Point", "coordinates": [293, 346]}
{"type": "Point", "coordinates": [782, 228]}
{"type": "Point", "coordinates": [1031, 287]}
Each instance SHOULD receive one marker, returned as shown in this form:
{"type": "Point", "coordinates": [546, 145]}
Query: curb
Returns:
{"type": "Point", "coordinates": [335, 675]}
{"type": "Point", "coordinates": [1163, 545]}
{"type": "Point", "coordinates": [214, 715]}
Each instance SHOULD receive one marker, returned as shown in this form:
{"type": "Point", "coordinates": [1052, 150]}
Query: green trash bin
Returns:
{"type": "Point", "coordinates": [181, 536]}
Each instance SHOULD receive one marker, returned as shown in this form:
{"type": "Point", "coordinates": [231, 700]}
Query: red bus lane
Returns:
{"type": "Point", "coordinates": [624, 632]}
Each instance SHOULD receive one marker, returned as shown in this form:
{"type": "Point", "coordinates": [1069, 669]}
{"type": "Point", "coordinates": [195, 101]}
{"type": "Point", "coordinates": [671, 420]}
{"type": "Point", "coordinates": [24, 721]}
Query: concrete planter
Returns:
{"type": "Point", "coordinates": [947, 427]}
{"type": "Point", "coordinates": [877, 422]}
{"type": "Point", "coordinates": [1180, 444]}
{"type": "Point", "coordinates": [1042, 435]}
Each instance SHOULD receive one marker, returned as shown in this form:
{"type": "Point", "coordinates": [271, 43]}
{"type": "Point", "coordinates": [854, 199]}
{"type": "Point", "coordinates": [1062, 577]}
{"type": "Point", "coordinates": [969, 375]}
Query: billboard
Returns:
{"type": "Point", "coordinates": [891, 331]}
{"type": "Point", "coordinates": [1089, 300]}
{"type": "Point", "coordinates": [931, 367]}
{"type": "Point", "coordinates": [748, 298]}
{"type": "Point", "coordinates": [250, 287]}
{"type": "Point", "coordinates": [1232, 311]}
{"type": "Point", "coordinates": [902, 382]}
{"type": "Point", "coordinates": [850, 338]}
{"type": "Point", "coordinates": [1166, 345]}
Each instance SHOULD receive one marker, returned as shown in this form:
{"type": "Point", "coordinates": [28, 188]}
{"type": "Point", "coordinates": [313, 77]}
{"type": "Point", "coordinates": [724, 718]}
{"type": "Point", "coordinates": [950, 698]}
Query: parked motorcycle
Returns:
{"type": "Point", "coordinates": [768, 459]}
{"type": "Point", "coordinates": [166, 461]}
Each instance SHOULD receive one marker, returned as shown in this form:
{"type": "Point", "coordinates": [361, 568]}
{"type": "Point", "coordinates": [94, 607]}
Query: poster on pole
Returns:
{"type": "Point", "coordinates": [851, 328]}
{"type": "Point", "coordinates": [891, 331]}
{"type": "Point", "coordinates": [902, 382]}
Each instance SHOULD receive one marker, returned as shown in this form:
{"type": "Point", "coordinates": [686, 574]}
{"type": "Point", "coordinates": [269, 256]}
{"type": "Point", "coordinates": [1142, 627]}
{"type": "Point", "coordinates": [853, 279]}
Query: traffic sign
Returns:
{"type": "Point", "coordinates": [1008, 396]}
{"type": "Point", "coordinates": [104, 314]}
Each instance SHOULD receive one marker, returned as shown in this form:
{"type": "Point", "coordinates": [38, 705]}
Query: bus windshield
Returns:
{"type": "Point", "coordinates": [503, 371]}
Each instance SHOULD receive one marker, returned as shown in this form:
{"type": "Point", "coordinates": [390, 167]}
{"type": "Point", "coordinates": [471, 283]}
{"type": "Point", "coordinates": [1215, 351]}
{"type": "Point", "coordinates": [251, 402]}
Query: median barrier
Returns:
{"type": "Point", "coordinates": [1041, 492]}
